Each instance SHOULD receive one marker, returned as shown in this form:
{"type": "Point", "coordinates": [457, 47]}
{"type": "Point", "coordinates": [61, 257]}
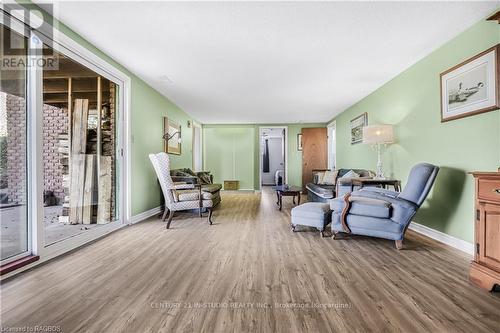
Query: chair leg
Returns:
{"type": "Point", "coordinates": [170, 217]}
{"type": "Point", "coordinates": [338, 235]}
{"type": "Point", "coordinates": [399, 244]}
{"type": "Point", "coordinates": [323, 234]}
{"type": "Point", "coordinates": [165, 212]}
{"type": "Point", "coordinates": [210, 211]}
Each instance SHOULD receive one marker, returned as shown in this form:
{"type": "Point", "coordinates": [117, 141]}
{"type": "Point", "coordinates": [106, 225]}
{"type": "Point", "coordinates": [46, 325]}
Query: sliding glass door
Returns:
{"type": "Point", "coordinates": [61, 144]}
{"type": "Point", "coordinates": [79, 148]}
{"type": "Point", "coordinates": [14, 228]}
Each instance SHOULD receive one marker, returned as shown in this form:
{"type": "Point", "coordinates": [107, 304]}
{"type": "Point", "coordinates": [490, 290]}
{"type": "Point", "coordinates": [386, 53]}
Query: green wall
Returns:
{"type": "Point", "coordinates": [148, 107]}
{"type": "Point", "coordinates": [411, 101]}
{"type": "Point", "coordinates": [229, 153]}
{"type": "Point", "coordinates": [232, 151]}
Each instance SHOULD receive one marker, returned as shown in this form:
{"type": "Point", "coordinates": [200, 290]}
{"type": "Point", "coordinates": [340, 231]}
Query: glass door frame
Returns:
{"type": "Point", "coordinates": [67, 46]}
{"type": "Point", "coordinates": [22, 30]}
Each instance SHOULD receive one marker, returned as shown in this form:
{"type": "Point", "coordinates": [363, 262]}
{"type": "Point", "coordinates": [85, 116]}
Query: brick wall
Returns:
{"type": "Point", "coordinates": [16, 149]}
{"type": "Point", "coordinates": [55, 121]}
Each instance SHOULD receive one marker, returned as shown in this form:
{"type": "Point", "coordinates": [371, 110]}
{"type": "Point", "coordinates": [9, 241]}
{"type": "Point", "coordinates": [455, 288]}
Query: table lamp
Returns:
{"type": "Point", "coordinates": [376, 136]}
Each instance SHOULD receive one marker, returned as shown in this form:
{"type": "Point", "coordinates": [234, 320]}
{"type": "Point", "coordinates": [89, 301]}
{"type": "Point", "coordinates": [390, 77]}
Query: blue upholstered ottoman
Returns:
{"type": "Point", "coordinates": [312, 214]}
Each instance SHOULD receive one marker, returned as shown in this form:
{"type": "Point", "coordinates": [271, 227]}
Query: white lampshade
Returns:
{"type": "Point", "coordinates": [375, 134]}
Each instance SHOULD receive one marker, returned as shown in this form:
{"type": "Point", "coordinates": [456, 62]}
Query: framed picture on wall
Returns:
{"type": "Point", "coordinates": [299, 142]}
{"type": "Point", "coordinates": [171, 136]}
{"type": "Point", "coordinates": [471, 87]}
{"type": "Point", "coordinates": [357, 125]}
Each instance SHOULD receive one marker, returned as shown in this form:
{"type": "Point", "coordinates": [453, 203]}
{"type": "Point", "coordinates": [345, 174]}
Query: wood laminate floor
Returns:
{"type": "Point", "coordinates": [249, 273]}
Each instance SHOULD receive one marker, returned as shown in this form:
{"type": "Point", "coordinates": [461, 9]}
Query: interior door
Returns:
{"type": "Point", "coordinates": [314, 152]}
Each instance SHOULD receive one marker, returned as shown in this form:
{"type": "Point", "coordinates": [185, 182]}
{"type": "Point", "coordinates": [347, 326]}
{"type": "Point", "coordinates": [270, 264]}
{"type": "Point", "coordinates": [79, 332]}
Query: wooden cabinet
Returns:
{"type": "Point", "coordinates": [485, 269]}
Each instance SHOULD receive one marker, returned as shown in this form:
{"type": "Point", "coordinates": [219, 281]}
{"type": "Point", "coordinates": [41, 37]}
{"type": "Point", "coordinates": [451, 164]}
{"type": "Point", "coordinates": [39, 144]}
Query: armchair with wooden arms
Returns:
{"type": "Point", "coordinates": [376, 212]}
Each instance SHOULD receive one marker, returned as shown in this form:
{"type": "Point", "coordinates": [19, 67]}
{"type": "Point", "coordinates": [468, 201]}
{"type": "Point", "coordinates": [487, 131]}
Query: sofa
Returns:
{"type": "Point", "coordinates": [205, 178]}
{"type": "Point", "coordinates": [187, 175]}
{"type": "Point", "coordinates": [319, 191]}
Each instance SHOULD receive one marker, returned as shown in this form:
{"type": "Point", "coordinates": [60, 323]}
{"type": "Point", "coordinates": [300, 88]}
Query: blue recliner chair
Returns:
{"type": "Point", "coordinates": [382, 213]}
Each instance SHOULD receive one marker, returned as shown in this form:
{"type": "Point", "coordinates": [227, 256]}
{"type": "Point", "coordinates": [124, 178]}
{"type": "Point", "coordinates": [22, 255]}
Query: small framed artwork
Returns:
{"type": "Point", "coordinates": [357, 125]}
{"type": "Point", "coordinates": [299, 142]}
{"type": "Point", "coordinates": [172, 136]}
{"type": "Point", "coordinates": [471, 87]}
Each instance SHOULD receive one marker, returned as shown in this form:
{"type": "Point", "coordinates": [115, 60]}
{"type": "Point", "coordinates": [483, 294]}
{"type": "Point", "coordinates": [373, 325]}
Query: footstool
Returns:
{"type": "Point", "coordinates": [312, 214]}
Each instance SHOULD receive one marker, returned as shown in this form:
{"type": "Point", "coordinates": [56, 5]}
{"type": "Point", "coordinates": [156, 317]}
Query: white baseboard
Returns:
{"type": "Point", "coordinates": [457, 243]}
{"type": "Point", "coordinates": [145, 215]}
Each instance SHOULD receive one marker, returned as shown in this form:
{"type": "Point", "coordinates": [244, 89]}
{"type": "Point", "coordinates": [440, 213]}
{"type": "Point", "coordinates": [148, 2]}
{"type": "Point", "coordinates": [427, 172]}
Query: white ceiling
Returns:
{"type": "Point", "coordinates": [268, 62]}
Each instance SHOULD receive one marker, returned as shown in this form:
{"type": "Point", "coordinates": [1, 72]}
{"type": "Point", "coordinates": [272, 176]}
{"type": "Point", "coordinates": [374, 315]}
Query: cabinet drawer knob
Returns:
{"type": "Point", "coordinates": [496, 190]}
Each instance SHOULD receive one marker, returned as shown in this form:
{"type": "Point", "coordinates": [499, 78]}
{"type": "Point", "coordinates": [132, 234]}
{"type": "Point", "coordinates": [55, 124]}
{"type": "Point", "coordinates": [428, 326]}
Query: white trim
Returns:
{"type": "Point", "coordinates": [34, 107]}
{"type": "Point", "coordinates": [145, 215]}
{"type": "Point", "coordinates": [454, 242]}
{"type": "Point", "coordinates": [195, 124]}
{"type": "Point", "coordinates": [260, 153]}
{"type": "Point", "coordinates": [332, 143]}
{"type": "Point", "coordinates": [203, 148]}
{"type": "Point", "coordinates": [31, 142]}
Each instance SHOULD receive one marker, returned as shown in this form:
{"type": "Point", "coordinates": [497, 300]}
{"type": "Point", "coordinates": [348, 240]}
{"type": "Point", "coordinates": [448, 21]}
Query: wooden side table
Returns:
{"type": "Point", "coordinates": [361, 182]}
{"type": "Point", "coordinates": [287, 191]}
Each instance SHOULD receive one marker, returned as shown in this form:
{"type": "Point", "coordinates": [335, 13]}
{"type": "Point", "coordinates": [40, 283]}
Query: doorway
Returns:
{"type": "Point", "coordinates": [273, 156]}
